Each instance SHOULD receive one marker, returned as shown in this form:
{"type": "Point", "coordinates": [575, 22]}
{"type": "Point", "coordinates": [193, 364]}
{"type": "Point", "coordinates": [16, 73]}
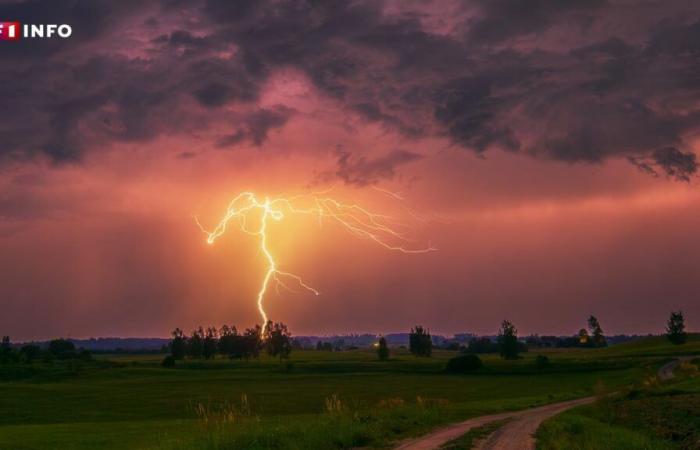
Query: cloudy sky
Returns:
{"type": "Point", "coordinates": [547, 149]}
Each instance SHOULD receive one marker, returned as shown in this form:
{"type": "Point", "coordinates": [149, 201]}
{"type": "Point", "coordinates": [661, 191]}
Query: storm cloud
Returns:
{"type": "Point", "coordinates": [581, 81]}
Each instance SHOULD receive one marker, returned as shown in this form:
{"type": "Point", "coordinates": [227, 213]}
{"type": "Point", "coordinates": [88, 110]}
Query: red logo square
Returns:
{"type": "Point", "coordinates": [10, 31]}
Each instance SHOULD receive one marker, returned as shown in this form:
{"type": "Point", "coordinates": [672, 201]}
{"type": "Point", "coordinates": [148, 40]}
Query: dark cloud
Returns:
{"type": "Point", "coordinates": [213, 95]}
{"type": "Point", "coordinates": [257, 125]}
{"type": "Point", "coordinates": [674, 163]}
{"type": "Point", "coordinates": [512, 75]}
{"type": "Point", "coordinates": [467, 109]}
{"type": "Point", "coordinates": [363, 171]}
{"type": "Point", "coordinates": [500, 20]}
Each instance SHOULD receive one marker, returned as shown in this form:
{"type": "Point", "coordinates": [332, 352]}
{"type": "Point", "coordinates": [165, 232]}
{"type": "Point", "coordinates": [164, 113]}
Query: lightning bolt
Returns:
{"type": "Point", "coordinates": [379, 228]}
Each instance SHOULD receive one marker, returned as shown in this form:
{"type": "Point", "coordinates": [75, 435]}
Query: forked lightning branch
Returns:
{"type": "Point", "coordinates": [246, 209]}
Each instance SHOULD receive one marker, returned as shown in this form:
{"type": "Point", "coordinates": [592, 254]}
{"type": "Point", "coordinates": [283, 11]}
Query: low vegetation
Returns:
{"type": "Point", "coordinates": [649, 416]}
{"type": "Point", "coordinates": [464, 363]}
{"type": "Point", "coordinates": [224, 389]}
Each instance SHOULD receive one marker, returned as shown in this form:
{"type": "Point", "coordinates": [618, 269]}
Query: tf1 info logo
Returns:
{"type": "Point", "coordinates": [13, 31]}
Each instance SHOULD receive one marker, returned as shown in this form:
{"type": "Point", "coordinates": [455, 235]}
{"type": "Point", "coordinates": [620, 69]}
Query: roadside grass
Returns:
{"type": "Point", "coordinates": [649, 416]}
{"type": "Point", "coordinates": [339, 428]}
{"type": "Point", "coordinates": [131, 402]}
{"type": "Point", "coordinates": [575, 430]}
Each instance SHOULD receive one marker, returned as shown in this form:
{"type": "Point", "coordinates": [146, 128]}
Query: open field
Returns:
{"type": "Point", "coordinates": [650, 416]}
{"type": "Point", "coordinates": [315, 400]}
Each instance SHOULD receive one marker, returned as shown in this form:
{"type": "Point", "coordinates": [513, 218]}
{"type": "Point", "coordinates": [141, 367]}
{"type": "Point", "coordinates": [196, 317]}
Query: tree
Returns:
{"type": "Point", "coordinates": [62, 349]}
{"type": "Point", "coordinates": [420, 342]}
{"type": "Point", "coordinates": [211, 342]}
{"type": "Point", "coordinates": [195, 344]}
{"type": "Point", "coordinates": [7, 353]}
{"type": "Point", "coordinates": [383, 349]}
{"type": "Point", "coordinates": [178, 345]}
{"type": "Point", "coordinates": [229, 340]}
{"type": "Point", "coordinates": [482, 345]}
{"type": "Point", "coordinates": [597, 336]}
{"type": "Point", "coordinates": [30, 352]}
{"type": "Point", "coordinates": [508, 340]}
{"type": "Point", "coordinates": [168, 361]}
{"type": "Point", "coordinates": [278, 340]}
{"type": "Point", "coordinates": [675, 329]}
{"type": "Point", "coordinates": [583, 338]}
{"type": "Point", "coordinates": [5, 344]}
{"type": "Point", "coordinates": [252, 342]}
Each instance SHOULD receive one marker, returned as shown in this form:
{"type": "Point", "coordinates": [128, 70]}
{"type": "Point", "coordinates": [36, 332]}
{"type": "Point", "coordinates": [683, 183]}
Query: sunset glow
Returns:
{"type": "Point", "coordinates": [354, 218]}
{"type": "Point", "coordinates": [549, 153]}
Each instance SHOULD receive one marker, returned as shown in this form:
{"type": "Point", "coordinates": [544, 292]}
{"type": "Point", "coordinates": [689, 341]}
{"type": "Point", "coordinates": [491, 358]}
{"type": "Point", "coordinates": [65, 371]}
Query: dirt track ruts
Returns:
{"type": "Point", "coordinates": [518, 433]}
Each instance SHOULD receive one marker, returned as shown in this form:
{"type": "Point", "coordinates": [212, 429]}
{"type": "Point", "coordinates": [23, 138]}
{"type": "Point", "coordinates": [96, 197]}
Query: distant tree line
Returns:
{"type": "Point", "coordinates": [593, 337]}
{"type": "Point", "coordinates": [57, 349]}
{"type": "Point", "coordinates": [207, 343]}
{"type": "Point", "coordinates": [324, 346]}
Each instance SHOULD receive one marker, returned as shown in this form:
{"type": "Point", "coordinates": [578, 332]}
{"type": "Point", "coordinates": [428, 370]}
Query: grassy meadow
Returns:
{"type": "Point", "coordinates": [647, 416]}
{"type": "Point", "coordinates": [315, 399]}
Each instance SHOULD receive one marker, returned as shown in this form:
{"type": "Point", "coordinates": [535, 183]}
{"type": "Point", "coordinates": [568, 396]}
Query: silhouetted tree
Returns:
{"type": "Point", "coordinates": [195, 344]}
{"type": "Point", "coordinates": [7, 353]}
{"type": "Point", "coordinates": [583, 338]}
{"type": "Point", "coordinates": [597, 336]}
{"type": "Point", "coordinates": [168, 361]}
{"type": "Point", "coordinates": [675, 328]}
{"type": "Point", "coordinates": [482, 345]}
{"type": "Point", "coordinates": [30, 353]}
{"type": "Point", "coordinates": [277, 340]}
{"type": "Point", "coordinates": [178, 345]}
{"type": "Point", "coordinates": [84, 354]}
{"type": "Point", "coordinates": [420, 342]}
{"type": "Point", "coordinates": [383, 349]}
{"type": "Point", "coordinates": [508, 340]}
{"type": "Point", "coordinates": [228, 337]}
{"type": "Point", "coordinates": [252, 342]}
{"type": "Point", "coordinates": [62, 349]}
{"type": "Point", "coordinates": [210, 344]}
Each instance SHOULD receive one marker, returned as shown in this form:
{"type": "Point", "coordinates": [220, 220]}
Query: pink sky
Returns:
{"type": "Point", "coordinates": [554, 171]}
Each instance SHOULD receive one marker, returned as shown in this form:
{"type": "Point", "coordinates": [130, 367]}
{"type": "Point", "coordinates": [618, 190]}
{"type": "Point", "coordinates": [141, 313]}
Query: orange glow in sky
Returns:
{"type": "Point", "coordinates": [354, 218]}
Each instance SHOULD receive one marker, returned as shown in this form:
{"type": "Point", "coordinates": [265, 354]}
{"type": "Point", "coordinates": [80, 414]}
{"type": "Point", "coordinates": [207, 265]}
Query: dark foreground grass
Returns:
{"type": "Point", "coordinates": [133, 403]}
{"type": "Point", "coordinates": [648, 417]}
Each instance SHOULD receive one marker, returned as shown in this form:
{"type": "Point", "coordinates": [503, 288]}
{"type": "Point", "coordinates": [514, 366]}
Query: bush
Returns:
{"type": "Point", "coordinates": [541, 361]}
{"type": "Point", "coordinates": [168, 361]}
{"type": "Point", "coordinates": [464, 363]}
{"type": "Point", "coordinates": [62, 349]}
{"type": "Point", "coordinates": [85, 355]}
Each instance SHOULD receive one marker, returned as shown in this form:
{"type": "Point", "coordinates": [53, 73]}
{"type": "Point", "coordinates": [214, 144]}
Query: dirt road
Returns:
{"type": "Point", "coordinates": [666, 371]}
{"type": "Point", "coordinates": [518, 433]}
{"type": "Point", "coordinates": [522, 425]}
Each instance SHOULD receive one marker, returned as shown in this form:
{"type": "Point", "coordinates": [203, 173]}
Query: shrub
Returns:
{"type": "Point", "coordinates": [168, 361]}
{"type": "Point", "coordinates": [542, 361]}
{"type": "Point", "coordinates": [464, 363]}
{"type": "Point", "coordinates": [62, 349]}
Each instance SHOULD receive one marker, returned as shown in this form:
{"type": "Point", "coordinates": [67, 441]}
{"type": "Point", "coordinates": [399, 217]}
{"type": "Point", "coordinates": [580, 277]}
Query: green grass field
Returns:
{"type": "Point", "coordinates": [314, 400]}
{"type": "Point", "coordinates": [649, 416]}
